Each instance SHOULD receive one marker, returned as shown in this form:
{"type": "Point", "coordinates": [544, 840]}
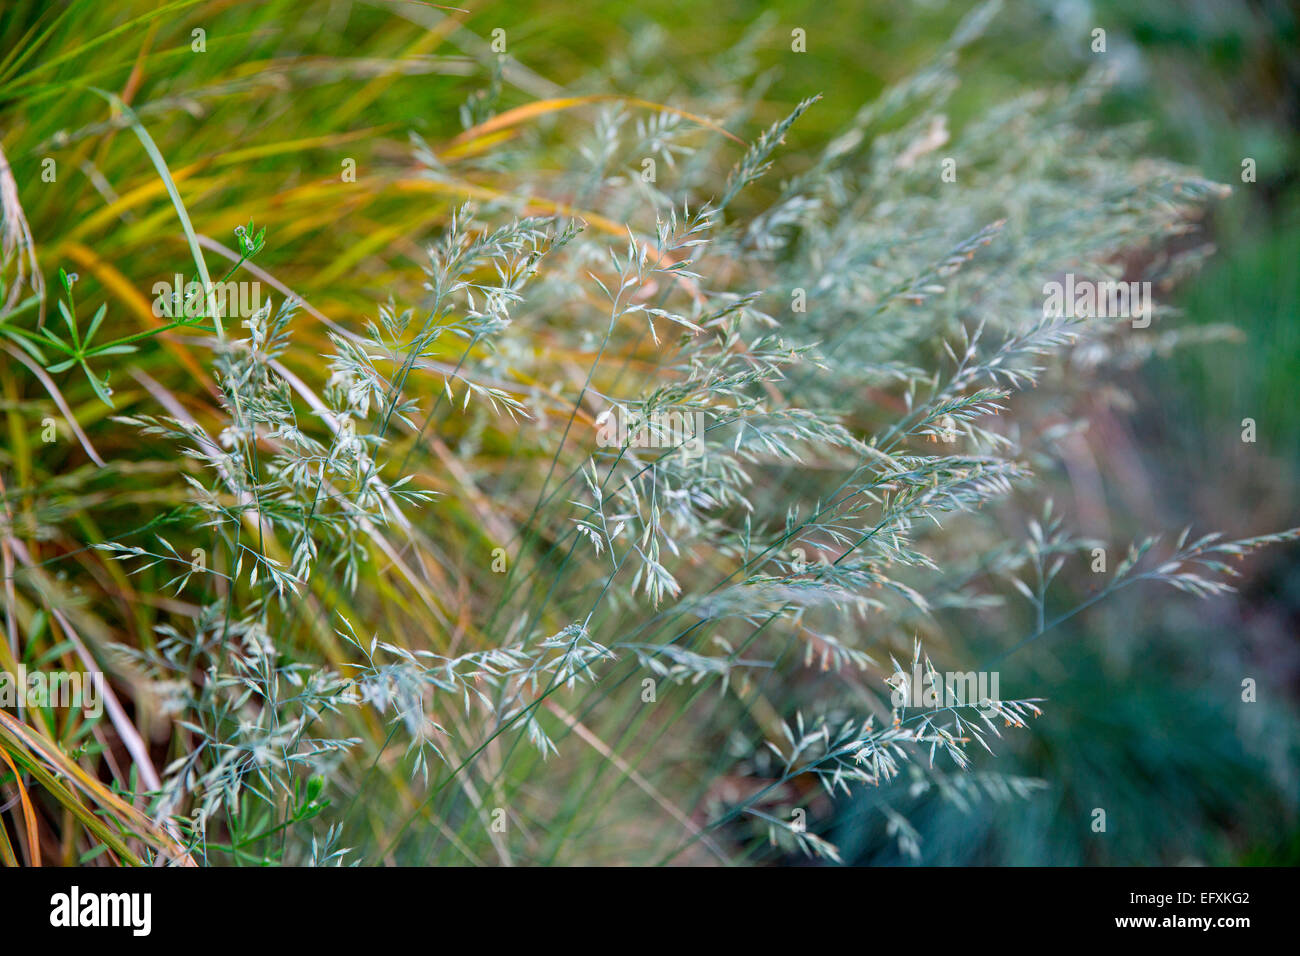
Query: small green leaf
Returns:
{"type": "Point", "coordinates": [94, 322]}
{"type": "Point", "coordinates": [57, 342]}
{"type": "Point", "coordinates": [70, 321]}
{"type": "Point", "coordinates": [100, 386]}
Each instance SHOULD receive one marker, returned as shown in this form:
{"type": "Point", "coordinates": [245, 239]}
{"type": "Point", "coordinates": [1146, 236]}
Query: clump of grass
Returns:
{"type": "Point", "coordinates": [394, 602]}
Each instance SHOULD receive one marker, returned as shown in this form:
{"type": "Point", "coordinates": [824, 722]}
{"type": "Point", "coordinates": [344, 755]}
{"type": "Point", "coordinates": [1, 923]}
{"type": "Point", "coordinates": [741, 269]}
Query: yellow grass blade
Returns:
{"type": "Point", "coordinates": [529, 111]}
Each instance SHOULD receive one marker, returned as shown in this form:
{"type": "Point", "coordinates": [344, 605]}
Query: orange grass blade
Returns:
{"type": "Point", "coordinates": [29, 813]}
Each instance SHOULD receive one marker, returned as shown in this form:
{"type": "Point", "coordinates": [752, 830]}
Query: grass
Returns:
{"type": "Point", "coordinates": [366, 584]}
